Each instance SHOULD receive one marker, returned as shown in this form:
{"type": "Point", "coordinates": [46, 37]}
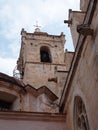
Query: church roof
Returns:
{"type": "Point", "coordinates": [28, 88]}
{"type": "Point", "coordinates": [12, 80]}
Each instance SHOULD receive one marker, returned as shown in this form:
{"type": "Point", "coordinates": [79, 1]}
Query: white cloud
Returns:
{"type": "Point", "coordinates": [7, 65]}
{"type": "Point", "coordinates": [19, 13]}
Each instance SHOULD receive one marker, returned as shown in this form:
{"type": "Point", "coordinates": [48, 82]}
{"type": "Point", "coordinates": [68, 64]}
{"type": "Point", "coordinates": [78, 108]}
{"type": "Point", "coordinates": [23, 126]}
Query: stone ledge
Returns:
{"type": "Point", "coordinates": [15, 115]}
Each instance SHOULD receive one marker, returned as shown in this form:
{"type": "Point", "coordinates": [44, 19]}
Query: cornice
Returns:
{"type": "Point", "coordinates": [34, 116]}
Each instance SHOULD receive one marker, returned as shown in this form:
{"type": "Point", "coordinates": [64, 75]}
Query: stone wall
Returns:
{"type": "Point", "coordinates": [52, 76]}
{"type": "Point", "coordinates": [76, 17]}
{"type": "Point", "coordinates": [31, 44]}
{"type": "Point", "coordinates": [84, 84]}
{"type": "Point", "coordinates": [84, 80]}
{"type": "Point", "coordinates": [84, 5]}
{"type": "Point", "coordinates": [37, 73]}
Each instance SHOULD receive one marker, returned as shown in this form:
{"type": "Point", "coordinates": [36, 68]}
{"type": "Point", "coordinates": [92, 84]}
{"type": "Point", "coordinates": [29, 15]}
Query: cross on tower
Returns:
{"type": "Point", "coordinates": [37, 26]}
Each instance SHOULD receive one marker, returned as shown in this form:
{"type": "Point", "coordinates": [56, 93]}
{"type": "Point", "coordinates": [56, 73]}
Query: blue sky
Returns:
{"type": "Point", "coordinates": [18, 14]}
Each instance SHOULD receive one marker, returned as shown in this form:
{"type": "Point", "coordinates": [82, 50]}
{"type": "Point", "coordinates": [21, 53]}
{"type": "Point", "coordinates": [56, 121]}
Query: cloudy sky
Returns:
{"type": "Point", "coordinates": [18, 14]}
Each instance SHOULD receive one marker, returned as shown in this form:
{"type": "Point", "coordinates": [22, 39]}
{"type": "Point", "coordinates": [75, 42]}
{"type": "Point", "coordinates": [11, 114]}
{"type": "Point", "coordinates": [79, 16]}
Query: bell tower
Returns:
{"type": "Point", "coordinates": [41, 60]}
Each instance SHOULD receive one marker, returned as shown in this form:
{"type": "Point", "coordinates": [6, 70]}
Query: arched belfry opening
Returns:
{"type": "Point", "coordinates": [45, 55]}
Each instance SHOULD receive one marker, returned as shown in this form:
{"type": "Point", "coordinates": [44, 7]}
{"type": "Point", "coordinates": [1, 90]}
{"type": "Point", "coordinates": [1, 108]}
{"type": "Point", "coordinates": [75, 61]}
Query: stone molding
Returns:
{"type": "Point", "coordinates": [34, 116]}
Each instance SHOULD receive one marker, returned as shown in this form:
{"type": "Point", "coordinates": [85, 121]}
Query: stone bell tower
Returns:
{"type": "Point", "coordinates": [41, 60]}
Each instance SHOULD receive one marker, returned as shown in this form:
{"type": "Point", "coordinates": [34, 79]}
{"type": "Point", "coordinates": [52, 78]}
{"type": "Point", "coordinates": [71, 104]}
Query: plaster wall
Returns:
{"type": "Point", "coordinates": [30, 125]}
{"type": "Point", "coordinates": [31, 121]}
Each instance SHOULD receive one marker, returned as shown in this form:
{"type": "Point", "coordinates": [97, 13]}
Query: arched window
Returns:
{"type": "Point", "coordinates": [4, 105]}
{"type": "Point", "coordinates": [6, 100]}
{"type": "Point", "coordinates": [80, 115]}
{"type": "Point", "coordinates": [45, 55]}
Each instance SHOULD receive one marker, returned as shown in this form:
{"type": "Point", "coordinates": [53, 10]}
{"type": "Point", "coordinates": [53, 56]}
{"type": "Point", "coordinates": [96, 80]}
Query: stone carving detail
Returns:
{"type": "Point", "coordinates": [84, 29]}
{"type": "Point", "coordinates": [81, 121]}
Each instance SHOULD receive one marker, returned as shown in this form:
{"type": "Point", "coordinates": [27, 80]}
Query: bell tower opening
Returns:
{"type": "Point", "coordinates": [45, 55]}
